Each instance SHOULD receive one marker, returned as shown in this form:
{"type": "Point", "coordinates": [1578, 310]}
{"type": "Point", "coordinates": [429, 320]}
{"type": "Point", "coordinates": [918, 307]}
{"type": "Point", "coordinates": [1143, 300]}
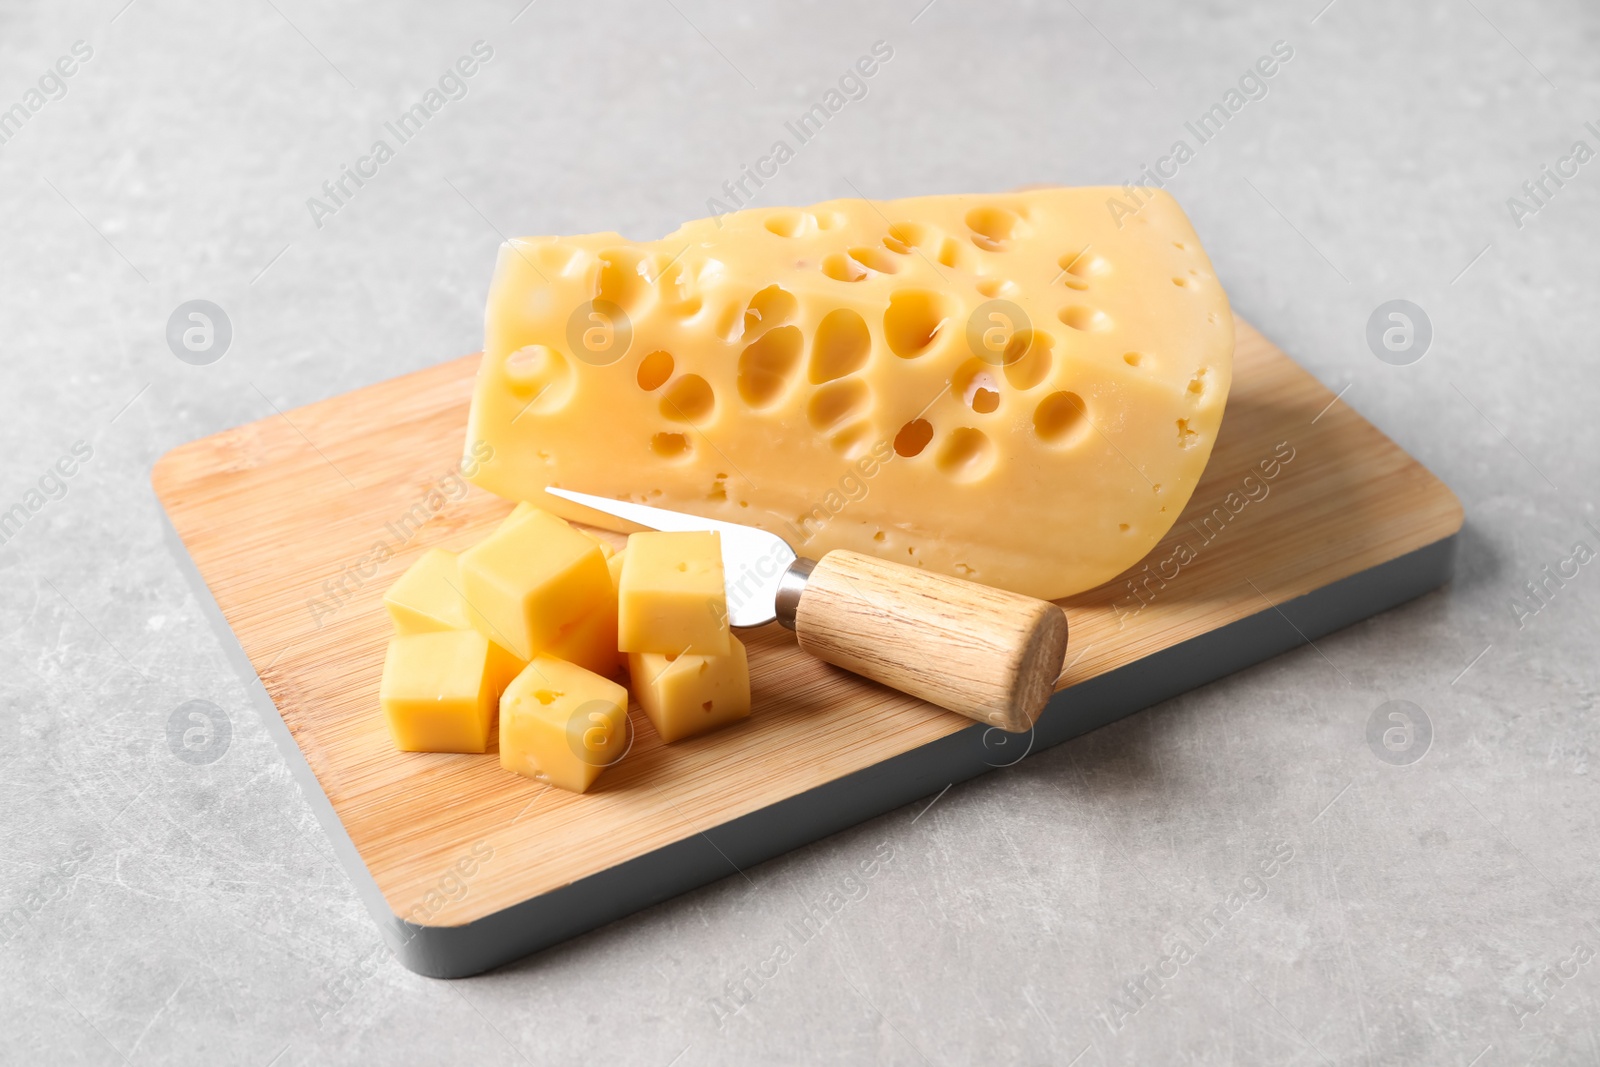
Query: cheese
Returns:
{"type": "Point", "coordinates": [531, 581]}
{"type": "Point", "coordinates": [440, 689]}
{"type": "Point", "coordinates": [562, 724]}
{"type": "Point", "coordinates": [670, 596]}
{"type": "Point", "coordinates": [524, 509]}
{"type": "Point", "coordinates": [688, 695]}
{"type": "Point", "coordinates": [1019, 389]}
{"type": "Point", "coordinates": [590, 640]}
{"type": "Point", "coordinates": [427, 597]}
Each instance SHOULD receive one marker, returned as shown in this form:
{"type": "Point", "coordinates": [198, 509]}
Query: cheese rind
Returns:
{"type": "Point", "coordinates": [1019, 389]}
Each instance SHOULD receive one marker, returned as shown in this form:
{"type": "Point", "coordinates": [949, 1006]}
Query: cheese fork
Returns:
{"type": "Point", "coordinates": [988, 654]}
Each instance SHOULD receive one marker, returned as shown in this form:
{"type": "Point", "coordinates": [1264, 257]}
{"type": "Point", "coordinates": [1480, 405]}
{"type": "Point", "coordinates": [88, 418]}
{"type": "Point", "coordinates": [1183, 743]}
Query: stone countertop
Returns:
{"type": "Point", "coordinates": [158, 910]}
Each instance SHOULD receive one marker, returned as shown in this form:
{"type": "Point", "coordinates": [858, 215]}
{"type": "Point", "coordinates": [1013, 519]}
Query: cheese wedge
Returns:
{"type": "Point", "coordinates": [1018, 389]}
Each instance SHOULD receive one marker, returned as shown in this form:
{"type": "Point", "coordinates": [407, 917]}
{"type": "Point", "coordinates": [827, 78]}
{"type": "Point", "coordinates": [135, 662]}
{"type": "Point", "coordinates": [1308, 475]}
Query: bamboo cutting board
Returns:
{"type": "Point", "coordinates": [1307, 518]}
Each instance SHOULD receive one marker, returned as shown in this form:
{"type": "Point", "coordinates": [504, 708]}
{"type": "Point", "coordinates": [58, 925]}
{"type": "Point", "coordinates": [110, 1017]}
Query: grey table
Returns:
{"type": "Point", "coordinates": [1434, 906]}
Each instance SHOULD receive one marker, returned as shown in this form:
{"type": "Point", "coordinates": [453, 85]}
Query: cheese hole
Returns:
{"type": "Point", "coordinates": [1084, 264]}
{"type": "Point", "coordinates": [1059, 417]}
{"type": "Point", "coordinates": [766, 366]}
{"type": "Point", "coordinates": [913, 321]}
{"type": "Point", "coordinates": [1087, 319]}
{"type": "Point", "coordinates": [838, 402]}
{"type": "Point", "coordinates": [1072, 281]}
{"type": "Point", "coordinates": [841, 345]}
{"type": "Point", "coordinates": [993, 287]}
{"type": "Point", "coordinates": [730, 324]}
{"type": "Point", "coordinates": [689, 399]}
{"type": "Point", "coordinates": [1028, 368]}
{"type": "Point", "coordinates": [950, 252]}
{"type": "Point", "coordinates": [828, 220]}
{"type": "Point", "coordinates": [913, 437]}
{"type": "Point", "coordinates": [993, 227]}
{"type": "Point", "coordinates": [654, 370]}
{"type": "Point", "coordinates": [706, 706]}
{"type": "Point", "coordinates": [853, 440]}
{"type": "Point", "coordinates": [546, 696]}
{"type": "Point", "coordinates": [975, 383]}
{"type": "Point", "coordinates": [669, 445]}
{"type": "Point", "coordinates": [1132, 359]}
{"type": "Point", "coordinates": [1123, 527]}
{"type": "Point", "coordinates": [787, 223]}
{"type": "Point", "coordinates": [904, 236]}
{"type": "Point", "coordinates": [966, 454]}
{"type": "Point", "coordinates": [1197, 385]}
{"type": "Point", "coordinates": [875, 259]}
{"type": "Point", "coordinates": [841, 268]}
{"type": "Point", "coordinates": [1181, 283]}
{"type": "Point", "coordinates": [679, 293]}
{"type": "Point", "coordinates": [541, 374]}
{"type": "Point", "coordinates": [772, 306]}
{"type": "Point", "coordinates": [879, 537]}
{"type": "Point", "coordinates": [623, 279]}
{"type": "Point", "coordinates": [1187, 438]}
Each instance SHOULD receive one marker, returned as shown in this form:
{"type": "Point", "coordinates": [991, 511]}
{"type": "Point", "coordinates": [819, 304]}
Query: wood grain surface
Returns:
{"type": "Point", "coordinates": [990, 654]}
{"type": "Point", "coordinates": [299, 521]}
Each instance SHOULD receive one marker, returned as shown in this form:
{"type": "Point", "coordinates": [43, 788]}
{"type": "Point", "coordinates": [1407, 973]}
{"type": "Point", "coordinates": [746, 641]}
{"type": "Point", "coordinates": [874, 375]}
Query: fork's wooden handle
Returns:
{"type": "Point", "coordinates": [991, 655]}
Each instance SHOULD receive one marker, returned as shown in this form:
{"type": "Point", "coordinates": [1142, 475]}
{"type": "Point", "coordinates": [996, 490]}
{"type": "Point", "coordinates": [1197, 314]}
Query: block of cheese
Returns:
{"type": "Point", "coordinates": [427, 597]}
{"type": "Point", "coordinates": [1021, 389]}
{"type": "Point", "coordinates": [687, 695]}
{"type": "Point", "coordinates": [670, 595]}
{"type": "Point", "coordinates": [440, 690]}
{"type": "Point", "coordinates": [531, 581]}
{"type": "Point", "coordinates": [562, 724]}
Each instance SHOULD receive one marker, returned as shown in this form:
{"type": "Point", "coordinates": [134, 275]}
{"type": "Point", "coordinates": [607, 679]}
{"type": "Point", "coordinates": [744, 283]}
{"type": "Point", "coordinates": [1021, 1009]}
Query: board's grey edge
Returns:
{"type": "Point", "coordinates": [723, 850]}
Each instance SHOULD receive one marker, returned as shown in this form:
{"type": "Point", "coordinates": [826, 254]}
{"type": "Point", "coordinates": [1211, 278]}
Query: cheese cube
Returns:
{"type": "Point", "coordinates": [562, 724]}
{"type": "Point", "coordinates": [524, 509]}
{"type": "Point", "coordinates": [427, 597]}
{"type": "Point", "coordinates": [688, 695]}
{"type": "Point", "coordinates": [615, 565]}
{"type": "Point", "coordinates": [671, 597]}
{"type": "Point", "coordinates": [440, 689]}
{"type": "Point", "coordinates": [531, 581]}
{"type": "Point", "coordinates": [1020, 388]}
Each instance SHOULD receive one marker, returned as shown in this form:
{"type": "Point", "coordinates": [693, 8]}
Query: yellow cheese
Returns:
{"type": "Point", "coordinates": [688, 695]}
{"type": "Point", "coordinates": [1021, 389]}
{"type": "Point", "coordinates": [562, 724]}
{"type": "Point", "coordinates": [670, 597]}
{"type": "Point", "coordinates": [524, 509]}
{"type": "Point", "coordinates": [528, 583]}
{"type": "Point", "coordinates": [427, 597]}
{"type": "Point", "coordinates": [615, 565]}
{"type": "Point", "coordinates": [439, 690]}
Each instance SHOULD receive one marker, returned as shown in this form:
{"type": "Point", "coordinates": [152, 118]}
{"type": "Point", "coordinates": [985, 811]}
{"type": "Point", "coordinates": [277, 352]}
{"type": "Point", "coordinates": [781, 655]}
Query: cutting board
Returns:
{"type": "Point", "coordinates": [1307, 519]}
